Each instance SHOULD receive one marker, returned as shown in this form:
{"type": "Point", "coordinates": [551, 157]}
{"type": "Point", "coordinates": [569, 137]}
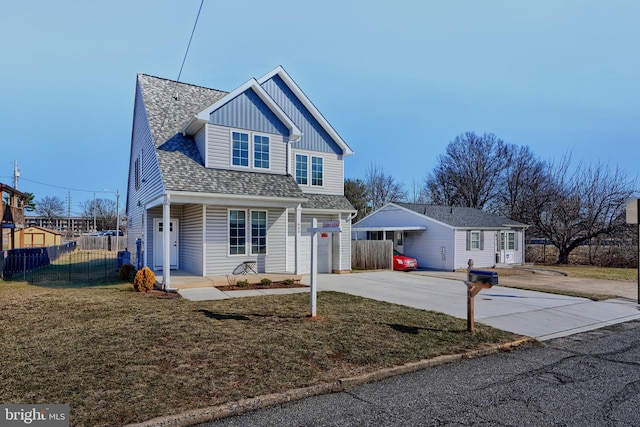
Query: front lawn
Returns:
{"type": "Point", "coordinates": [116, 356]}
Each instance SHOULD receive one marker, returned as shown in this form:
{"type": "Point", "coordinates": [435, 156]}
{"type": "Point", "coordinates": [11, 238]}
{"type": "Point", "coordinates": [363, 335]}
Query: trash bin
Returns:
{"type": "Point", "coordinates": [124, 257]}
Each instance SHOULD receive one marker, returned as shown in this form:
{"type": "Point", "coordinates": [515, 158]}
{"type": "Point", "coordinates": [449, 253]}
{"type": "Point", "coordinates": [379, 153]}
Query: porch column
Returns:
{"type": "Point", "coordinates": [166, 242]}
{"type": "Point", "coordinates": [298, 238]}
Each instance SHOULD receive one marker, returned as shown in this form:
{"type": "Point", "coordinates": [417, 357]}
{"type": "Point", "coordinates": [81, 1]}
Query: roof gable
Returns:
{"type": "Point", "coordinates": [279, 73]}
{"type": "Point", "coordinates": [203, 115]}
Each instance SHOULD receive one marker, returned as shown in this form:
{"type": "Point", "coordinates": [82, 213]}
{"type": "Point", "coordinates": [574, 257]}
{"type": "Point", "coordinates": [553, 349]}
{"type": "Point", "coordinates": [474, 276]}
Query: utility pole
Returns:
{"type": "Point", "coordinates": [69, 232]}
{"type": "Point", "coordinates": [16, 174]}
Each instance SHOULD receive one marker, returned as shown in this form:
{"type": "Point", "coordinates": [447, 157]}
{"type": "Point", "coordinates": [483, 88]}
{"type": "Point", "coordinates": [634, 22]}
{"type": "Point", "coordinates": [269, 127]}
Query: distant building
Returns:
{"type": "Point", "coordinates": [77, 225]}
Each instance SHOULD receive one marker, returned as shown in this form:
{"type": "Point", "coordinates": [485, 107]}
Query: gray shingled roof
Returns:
{"type": "Point", "coordinates": [460, 217]}
{"type": "Point", "coordinates": [326, 201]}
{"type": "Point", "coordinates": [179, 160]}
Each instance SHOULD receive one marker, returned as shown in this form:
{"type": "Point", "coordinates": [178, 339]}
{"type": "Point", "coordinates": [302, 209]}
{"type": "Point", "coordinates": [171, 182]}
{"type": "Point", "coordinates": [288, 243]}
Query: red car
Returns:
{"type": "Point", "coordinates": [403, 263]}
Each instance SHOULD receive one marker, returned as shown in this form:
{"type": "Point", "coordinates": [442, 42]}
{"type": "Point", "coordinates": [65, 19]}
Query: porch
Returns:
{"type": "Point", "coordinates": [181, 279]}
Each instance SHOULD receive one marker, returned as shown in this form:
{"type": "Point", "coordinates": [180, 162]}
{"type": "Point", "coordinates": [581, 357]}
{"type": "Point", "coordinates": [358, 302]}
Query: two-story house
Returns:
{"type": "Point", "coordinates": [238, 176]}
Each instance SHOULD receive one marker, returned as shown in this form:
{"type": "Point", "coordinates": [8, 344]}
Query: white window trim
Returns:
{"type": "Point", "coordinates": [248, 246]}
{"type": "Point", "coordinates": [310, 158]}
{"type": "Point", "coordinates": [231, 132]}
{"type": "Point", "coordinates": [311, 184]}
{"type": "Point", "coordinates": [471, 240]}
{"type": "Point", "coordinates": [266, 236]}
{"type": "Point", "coordinates": [251, 148]}
{"type": "Point", "coordinates": [295, 166]}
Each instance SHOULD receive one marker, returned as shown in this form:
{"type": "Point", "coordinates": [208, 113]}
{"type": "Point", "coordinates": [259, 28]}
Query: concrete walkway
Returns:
{"type": "Point", "coordinates": [534, 314]}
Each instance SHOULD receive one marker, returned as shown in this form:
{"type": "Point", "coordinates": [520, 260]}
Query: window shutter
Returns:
{"type": "Point", "coordinates": [482, 240]}
{"type": "Point", "coordinates": [468, 240]}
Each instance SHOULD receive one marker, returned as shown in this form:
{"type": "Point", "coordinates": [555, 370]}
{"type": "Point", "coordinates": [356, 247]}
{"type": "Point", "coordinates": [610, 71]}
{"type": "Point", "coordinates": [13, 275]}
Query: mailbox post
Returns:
{"type": "Point", "coordinates": [477, 280]}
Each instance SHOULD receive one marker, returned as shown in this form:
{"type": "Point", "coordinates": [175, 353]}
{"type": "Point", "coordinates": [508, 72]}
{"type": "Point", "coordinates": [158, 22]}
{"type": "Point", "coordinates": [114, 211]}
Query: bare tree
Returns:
{"type": "Point", "coordinates": [382, 188]}
{"type": "Point", "coordinates": [416, 193]}
{"type": "Point", "coordinates": [50, 207]}
{"type": "Point", "coordinates": [582, 203]}
{"type": "Point", "coordinates": [356, 192]}
{"type": "Point", "coordinates": [524, 175]}
{"type": "Point", "coordinates": [470, 172]}
{"type": "Point", "coordinates": [103, 210]}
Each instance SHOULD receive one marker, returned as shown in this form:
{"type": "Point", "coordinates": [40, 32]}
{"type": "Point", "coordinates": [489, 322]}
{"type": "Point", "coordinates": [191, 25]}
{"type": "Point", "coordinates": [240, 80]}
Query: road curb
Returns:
{"type": "Point", "coordinates": [202, 415]}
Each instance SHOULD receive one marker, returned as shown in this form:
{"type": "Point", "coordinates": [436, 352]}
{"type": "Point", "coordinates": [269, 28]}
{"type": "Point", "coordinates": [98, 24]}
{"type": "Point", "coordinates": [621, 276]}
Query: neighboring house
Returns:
{"type": "Point", "coordinates": [238, 176]}
{"type": "Point", "coordinates": [444, 237]}
{"type": "Point", "coordinates": [11, 216]}
{"type": "Point", "coordinates": [35, 236]}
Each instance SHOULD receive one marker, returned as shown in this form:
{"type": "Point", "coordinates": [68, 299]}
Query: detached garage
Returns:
{"type": "Point", "coordinates": [445, 237]}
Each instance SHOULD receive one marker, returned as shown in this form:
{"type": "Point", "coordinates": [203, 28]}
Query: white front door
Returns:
{"type": "Point", "coordinates": [507, 247]}
{"type": "Point", "coordinates": [158, 228]}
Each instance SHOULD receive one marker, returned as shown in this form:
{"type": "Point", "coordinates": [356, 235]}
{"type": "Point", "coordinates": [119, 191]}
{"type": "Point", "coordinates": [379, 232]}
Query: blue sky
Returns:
{"type": "Point", "coordinates": [397, 79]}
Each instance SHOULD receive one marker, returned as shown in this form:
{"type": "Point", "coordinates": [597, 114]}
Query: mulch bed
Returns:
{"type": "Point", "coordinates": [273, 285]}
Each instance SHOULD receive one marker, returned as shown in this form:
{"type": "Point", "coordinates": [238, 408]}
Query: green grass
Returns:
{"type": "Point", "coordinates": [118, 357]}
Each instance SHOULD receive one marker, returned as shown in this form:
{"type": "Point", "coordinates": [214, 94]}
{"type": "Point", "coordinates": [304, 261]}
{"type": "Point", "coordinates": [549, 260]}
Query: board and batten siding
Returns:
{"type": "Point", "coordinates": [142, 142]}
{"type": "Point", "coordinates": [314, 137]}
{"type": "Point", "coordinates": [217, 259]}
{"type": "Point", "coordinates": [219, 150]}
{"type": "Point", "coordinates": [248, 111]}
{"type": "Point", "coordinates": [192, 239]}
{"type": "Point", "coordinates": [481, 258]}
{"type": "Point", "coordinates": [333, 173]}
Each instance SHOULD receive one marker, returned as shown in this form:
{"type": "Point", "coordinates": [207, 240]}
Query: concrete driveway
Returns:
{"type": "Point", "coordinates": [534, 314]}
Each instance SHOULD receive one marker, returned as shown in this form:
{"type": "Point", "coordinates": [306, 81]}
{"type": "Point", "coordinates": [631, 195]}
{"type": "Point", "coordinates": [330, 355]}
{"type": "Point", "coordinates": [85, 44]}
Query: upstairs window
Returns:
{"type": "Point", "coordinates": [302, 169]}
{"type": "Point", "coordinates": [316, 171]}
{"type": "Point", "coordinates": [261, 152]}
{"type": "Point", "coordinates": [240, 149]}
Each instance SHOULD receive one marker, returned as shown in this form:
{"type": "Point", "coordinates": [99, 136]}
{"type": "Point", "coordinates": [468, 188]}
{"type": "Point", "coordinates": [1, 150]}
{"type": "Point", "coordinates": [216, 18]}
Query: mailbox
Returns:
{"type": "Point", "coordinates": [483, 276]}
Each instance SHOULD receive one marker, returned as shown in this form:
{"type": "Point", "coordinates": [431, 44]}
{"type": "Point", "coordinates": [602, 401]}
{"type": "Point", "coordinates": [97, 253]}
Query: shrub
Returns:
{"type": "Point", "coordinates": [265, 281]}
{"type": "Point", "coordinates": [289, 282]}
{"type": "Point", "coordinates": [127, 272]}
{"type": "Point", "coordinates": [242, 283]}
{"type": "Point", "coordinates": [144, 281]}
{"type": "Point", "coordinates": [232, 279]}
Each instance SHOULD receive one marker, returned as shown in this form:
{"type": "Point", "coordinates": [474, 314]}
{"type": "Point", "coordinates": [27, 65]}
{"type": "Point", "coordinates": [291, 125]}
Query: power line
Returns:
{"type": "Point", "coordinates": [184, 59]}
{"type": "Point", "coordinates": [66, 188]}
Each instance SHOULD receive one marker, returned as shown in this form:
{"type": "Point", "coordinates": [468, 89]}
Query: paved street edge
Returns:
{"type": "Point", "coordinates": [202, 415]}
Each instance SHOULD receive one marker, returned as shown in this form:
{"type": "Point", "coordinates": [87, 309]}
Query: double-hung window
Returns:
{"type": "Point", "coordinates": [316, 171]}
{"type": "Point", "coordinates": [306, 175]}
{"type": "Point", "coordinates": [261, 152]}
{"type": "Point", "coordinates": [237, 232]}
{"type": "Point", "coordinates": [475, 241]}
{"type": "Point", "coordinates": [258, 232]}
{"type": "Point", "coordinates": [302, 169]}
{"type": "Point", "coordinates": [247, 225]}
{"type": "Point", "coordinates": [240, 156]}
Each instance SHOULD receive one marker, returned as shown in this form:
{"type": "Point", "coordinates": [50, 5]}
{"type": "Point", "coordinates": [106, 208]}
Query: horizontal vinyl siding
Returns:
{"type": "Point", "coordinates": [191, 239]}
{"type": "Point", "coordinates": [152, 186]}
{"type": "Point", "coordinates": [425, 246]}
{"type": "Point", "coordinates": [219, 150]}
{"type": "Point", "coordinates": [481, 258]}
{"type": "Point", "coordinates": [200, 139]}
{"type": "Point", "coordinates": [275, 261]}
{"type": "Point", "coordinates": [219, 262]}
{"type": "Point", "coordinates": [175, 213]}
{"type": "Point", "coordinates": [333, 170]}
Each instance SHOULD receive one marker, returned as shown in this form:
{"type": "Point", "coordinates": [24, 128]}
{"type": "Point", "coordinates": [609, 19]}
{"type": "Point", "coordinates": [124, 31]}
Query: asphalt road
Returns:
{"type": "Point", "coordinates": [587, 379]}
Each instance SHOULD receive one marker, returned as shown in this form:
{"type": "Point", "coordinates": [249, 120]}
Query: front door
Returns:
{"type": "Point", "coordinates": [158, 229]}
{"type": "Point", "coordinates": [507, 247]}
